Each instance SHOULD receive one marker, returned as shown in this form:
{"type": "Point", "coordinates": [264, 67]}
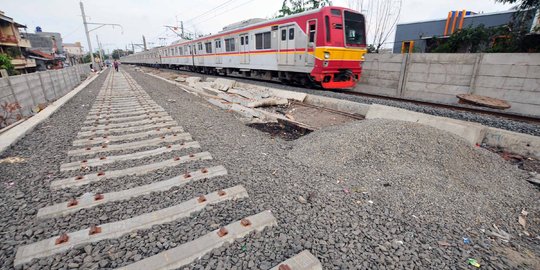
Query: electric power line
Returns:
{"type": "Point", "coordinates": [206, 12]}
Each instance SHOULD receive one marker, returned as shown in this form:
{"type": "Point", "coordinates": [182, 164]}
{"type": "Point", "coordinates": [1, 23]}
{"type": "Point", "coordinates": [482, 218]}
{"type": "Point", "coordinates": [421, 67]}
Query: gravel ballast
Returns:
{"type": "Point", "coordinates": [342, 229]}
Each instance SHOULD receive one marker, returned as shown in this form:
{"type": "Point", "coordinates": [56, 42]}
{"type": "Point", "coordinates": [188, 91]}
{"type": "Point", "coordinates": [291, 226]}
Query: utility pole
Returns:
{"type": "Point", "coordinates": [100, 50]}
{"type": "Point", "coordinates": [88, 31]}
{"type": "Point", "coordinates": [132, 47]}
{"type": "Point", "coordinates": [182, 29]}
{"type": "Point", "coordinates": [144, 43]}
{"type": "Point", "coordinates": [87, 34]}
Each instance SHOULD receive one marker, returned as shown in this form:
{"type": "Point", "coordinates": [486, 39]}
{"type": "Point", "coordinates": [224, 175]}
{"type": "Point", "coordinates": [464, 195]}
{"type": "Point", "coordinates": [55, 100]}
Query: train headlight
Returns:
{"type": "Point", "coordinates": [326, 55]}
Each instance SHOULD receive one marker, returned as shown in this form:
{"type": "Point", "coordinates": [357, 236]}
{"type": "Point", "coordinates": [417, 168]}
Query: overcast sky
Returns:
{"type": "Point", "coordinates": [145, 17]}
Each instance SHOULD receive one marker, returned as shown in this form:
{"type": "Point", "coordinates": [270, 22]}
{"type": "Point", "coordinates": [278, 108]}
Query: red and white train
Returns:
{"type": "Point", "coordinates": [325, 46]}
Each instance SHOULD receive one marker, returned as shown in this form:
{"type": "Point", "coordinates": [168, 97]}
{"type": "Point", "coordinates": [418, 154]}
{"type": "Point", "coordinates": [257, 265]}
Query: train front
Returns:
{"type": "Point", "coordinates": [340, 48]}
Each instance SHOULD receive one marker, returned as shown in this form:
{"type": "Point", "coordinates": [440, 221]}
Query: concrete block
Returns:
{"type": "Point", "coordinates": [188, 252]}
{"type": "Point", "coordinates": [302, 261]}
{"type": "Point", "coordinates": [223, 84]}
{"type": "Point", "coordinates": [94, 162]}
{"type": "Point", "coordinates": [130, 145]}
{"type": "Point", "coordinates": [193, 80]}
{"type": "Point", "coordinates": [337, 104]}
{"type": "Point", "coordinates": [98, 132]}
{"type": "Point", "coordinates": [220, 103]}
{"type": "Point", "coordinates": [519, 143]}
{"type": "Point", "coordinates": [180, 79]}
{"type": "Point", "coordinates": [470, 132]}
{"type": "Point", "coordinates": [494, 70]}
{"type": "Point", "coordinates": [444, 89]}
{"type": "Point", "coordinates": [287, 94]}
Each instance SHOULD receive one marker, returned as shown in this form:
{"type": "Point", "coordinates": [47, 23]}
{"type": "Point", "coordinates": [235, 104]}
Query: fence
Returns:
{"type": "Point", "coordinates": [440, 77]}
{"type": "Point", "coordinates": [33, 89]}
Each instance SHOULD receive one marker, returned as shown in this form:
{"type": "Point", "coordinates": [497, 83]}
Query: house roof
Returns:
{"type": "Point", "coordinates": [42, 54]}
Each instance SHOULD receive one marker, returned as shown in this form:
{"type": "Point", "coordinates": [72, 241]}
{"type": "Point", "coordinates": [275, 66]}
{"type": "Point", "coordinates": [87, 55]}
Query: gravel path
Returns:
{"type": "Point", "coordinates": [343, 230]}
{"type": "Point", "coordinates": [488, 120]}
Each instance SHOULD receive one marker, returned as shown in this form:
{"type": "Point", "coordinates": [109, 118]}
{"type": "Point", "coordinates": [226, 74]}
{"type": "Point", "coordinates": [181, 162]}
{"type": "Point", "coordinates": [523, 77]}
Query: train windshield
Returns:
{"type": "Point", "coordinates": [355, 30]}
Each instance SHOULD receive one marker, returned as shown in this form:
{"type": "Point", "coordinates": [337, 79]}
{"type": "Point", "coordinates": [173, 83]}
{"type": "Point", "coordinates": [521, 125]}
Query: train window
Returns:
{"type": "Point", "coordinates": [218, 43]}
{"type": "Point", "coordinates": [283, 34]}
{"type": "Point", "coordinates": [200, 46]}
{"type": "Point", "coordinates": [336, 12]}
{"type": "Point", "coordinates": [241, 40]}
{"type": "Point", "coordinates": [354, 29]}
{"type": "Point", "coordinates": [229, 45]}
{"type": "Point", "coordinates": [327, 26]}
{"type": "Point", "coordinates": [291, 33]}
{"type": "Point", "coordinates": [312, 33]}
{"type": "Point", "coordinates": [247, 40]}
{"type": "Point", "coordinates": [263, 41]}
{"type": "Point", "coordinates": [208, 47]}
{"type": "Point", "coordinates": [181, 51]}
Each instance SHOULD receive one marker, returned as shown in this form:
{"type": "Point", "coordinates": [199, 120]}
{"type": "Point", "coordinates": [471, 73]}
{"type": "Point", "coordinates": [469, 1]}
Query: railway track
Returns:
{"type": "Point", "coordinates": [125, 124]}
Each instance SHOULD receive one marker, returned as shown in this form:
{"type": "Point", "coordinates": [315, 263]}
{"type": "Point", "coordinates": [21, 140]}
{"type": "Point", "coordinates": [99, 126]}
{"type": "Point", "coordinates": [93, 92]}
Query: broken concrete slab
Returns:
{"type": "Point", "coordinates": [268, 102]}
{"type": "Point", "coordinates": [180, 79]}
{"type": "Point", "coordinates": [513, 142]}
{"type": "Point", "coordinates": [211, 91]}
{"type": "Point", "coordinates": [193, 80]}
{"type": "Point", "coordinates": [220, 103]}
{"type": "Point", "coordinates": [246, 93]}
{"type": "Point", "coordinates": [471, 132]}
{"type": "Point", "coordinates": [245, 111]}
{"type": "Point", "coordinates": [235, 99]}
{"type": "Point", "coordinates": [223, 84]}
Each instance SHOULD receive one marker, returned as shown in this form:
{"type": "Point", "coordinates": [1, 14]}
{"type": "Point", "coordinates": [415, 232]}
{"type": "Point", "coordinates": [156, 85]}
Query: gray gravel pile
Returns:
{"type": "Point", "coordinates": [418, 170]}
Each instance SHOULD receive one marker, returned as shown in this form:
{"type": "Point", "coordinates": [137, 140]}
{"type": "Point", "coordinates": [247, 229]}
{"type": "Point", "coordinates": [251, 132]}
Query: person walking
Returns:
{"type": "Point", "coordinates": [115, 64]}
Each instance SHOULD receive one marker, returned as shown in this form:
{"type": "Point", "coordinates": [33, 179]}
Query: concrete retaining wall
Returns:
{"type": "Point", "coordinates": [32, 89]}
{"type": "Point", "coordinates": [440, 77]}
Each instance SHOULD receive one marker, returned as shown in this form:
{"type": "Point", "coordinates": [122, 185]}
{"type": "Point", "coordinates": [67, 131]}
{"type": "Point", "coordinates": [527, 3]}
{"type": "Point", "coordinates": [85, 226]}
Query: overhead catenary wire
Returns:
{"type": "Point", "coordinates": [208, 11]}
{"type": "Point", "coordinates": [216, 15]}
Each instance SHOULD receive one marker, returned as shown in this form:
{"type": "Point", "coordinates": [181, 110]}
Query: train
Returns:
{"type": "Point", "coordinates": [323, 47]}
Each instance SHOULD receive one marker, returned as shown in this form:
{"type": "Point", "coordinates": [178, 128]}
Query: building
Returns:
{"type": "Point", "coordinates": [14, 45]}
{"type": "Point", "coordinates": [418, 36]}
{"type": "Point", "coordinates": [74, 53]}
{"type": "Point", "coordinates": [47, 49]}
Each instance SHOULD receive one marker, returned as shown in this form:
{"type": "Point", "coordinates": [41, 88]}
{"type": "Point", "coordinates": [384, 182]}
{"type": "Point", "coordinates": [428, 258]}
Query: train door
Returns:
{"type": "Point", "coordinates": [286, 45]}
{"type": "Point", "coordinates": [312, 40]}
{"type": "Point", "coordinates": [218, 51]}
{"type": "Point", "coordinates": [244, 49]}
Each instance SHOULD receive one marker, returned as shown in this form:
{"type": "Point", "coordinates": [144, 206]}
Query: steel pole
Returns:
{"type": "Point", "coordinates": [87, 35]}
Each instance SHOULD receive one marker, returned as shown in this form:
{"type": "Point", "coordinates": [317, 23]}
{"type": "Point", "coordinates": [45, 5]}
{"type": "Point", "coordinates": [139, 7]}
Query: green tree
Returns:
{"type": "Point", "coordinates": [523, 4]}
{"type": "Point", "coordinates": [290, 7]}
{"type": "Point", "coordinates": [5, 63]}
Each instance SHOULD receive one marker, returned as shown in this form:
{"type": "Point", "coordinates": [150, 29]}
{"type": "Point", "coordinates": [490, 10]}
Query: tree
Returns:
{"type": "Point", "coordinates": [116, 54]}
{"type": "Point", "coordinates": [381, 18]}
{"type": "Point", "coordinates": [290, 7]}
{"type": "Point", "coordinates": [523, 4]}
{"type": "Point", "coordinates": [5, 63]}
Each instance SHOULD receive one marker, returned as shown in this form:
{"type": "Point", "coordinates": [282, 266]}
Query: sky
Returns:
{"type": "Point", "coordinates": [140, 17]}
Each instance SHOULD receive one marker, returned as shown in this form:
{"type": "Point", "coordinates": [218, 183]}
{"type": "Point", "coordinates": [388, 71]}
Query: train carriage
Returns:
{"type": "Point", "coordinates": [325, 46]}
